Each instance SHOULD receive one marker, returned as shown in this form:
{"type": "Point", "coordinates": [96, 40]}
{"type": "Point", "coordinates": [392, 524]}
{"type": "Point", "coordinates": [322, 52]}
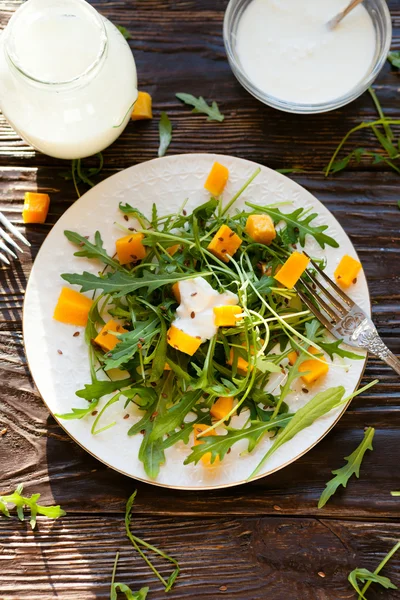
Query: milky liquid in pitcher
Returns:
{"type": "Point", "coordinates": [67, 78]}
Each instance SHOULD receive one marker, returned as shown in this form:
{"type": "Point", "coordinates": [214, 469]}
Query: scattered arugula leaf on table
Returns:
{"type": "Point", "coordinates": [121, 587]}
{"type": "Point", "coordinates": [165, 132]}
{"type": "Point", "coordinates": [138, 544]}
{"type": "Point", "coordinates": [394, 58]}
{"type": "Point", "coordinates": [80, 174]}
{"type": "Point", "coordinates": [201, 106]}
{"type": "Point", "coordinates": [366, 576]}
{"type": "Point", "coordinates": [19, 502]}
{"type": "Point", "coordinates": [395, 493]}
{"type": "Point", "coordinates": [352, 467]}
{"type": "Point", "coordinates": [127, 35]}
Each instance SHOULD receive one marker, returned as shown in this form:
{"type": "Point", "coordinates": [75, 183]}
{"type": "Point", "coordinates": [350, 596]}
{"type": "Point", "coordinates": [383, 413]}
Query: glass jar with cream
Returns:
{"type": "Point", "coordinates": [284, 53]}
{"type": "Point", "coordinates": [67, 77]}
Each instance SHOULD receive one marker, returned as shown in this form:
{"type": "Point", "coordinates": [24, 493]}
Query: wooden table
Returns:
{"type": "Point", "coordinates": [259, 541]}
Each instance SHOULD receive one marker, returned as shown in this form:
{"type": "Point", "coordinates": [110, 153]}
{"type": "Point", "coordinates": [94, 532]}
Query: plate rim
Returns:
{"type": "Point", "coordinates": [154, 482]}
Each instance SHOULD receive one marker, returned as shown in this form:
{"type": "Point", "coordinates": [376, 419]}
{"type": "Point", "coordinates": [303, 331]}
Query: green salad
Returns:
{"type": "Point", "coordinates": [192, 315]}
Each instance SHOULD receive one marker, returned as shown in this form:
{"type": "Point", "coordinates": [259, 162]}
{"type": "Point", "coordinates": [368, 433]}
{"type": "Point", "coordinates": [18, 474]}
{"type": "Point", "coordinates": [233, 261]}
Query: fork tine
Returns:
{"type": "Point", "coordinates": [13, 229]}
{"type": "Point", "coordinates": [331, 298]}
{"type": "Point", "coordinates": [9, 240]}
{"type": "Point", "coordinates": [321, 318]}
{"type": "Point", "coordinates": [4, 259]}
{"type": "Point", "coordinates": [337, 289]}
{"type": "Point", "coordinates": [321, 302]}
{"type": "Point", "coordinates": [7, 249]}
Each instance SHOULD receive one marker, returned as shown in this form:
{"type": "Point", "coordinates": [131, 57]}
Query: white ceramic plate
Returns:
{"type": "Point", "coordinates": [168, 182]}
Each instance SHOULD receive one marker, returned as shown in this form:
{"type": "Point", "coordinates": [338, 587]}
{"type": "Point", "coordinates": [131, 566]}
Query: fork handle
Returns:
{"type": "Point", "coordinates": [371, 341]}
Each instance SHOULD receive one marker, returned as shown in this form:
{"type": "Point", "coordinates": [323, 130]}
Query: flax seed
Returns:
{"type": "Point", "coordinates": [192, 314]}
{"type": "Point", "coordinates": [77, 333]}
{"type": "Point", "coordinates": [126, 217]}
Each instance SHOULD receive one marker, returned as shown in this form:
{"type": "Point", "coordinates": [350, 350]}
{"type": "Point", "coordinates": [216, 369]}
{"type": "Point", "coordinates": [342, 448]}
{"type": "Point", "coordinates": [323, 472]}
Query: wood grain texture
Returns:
{"type": "Point", "coordinates": [241, 559]}
{"type": "Point", "coordinates": [266, 539]}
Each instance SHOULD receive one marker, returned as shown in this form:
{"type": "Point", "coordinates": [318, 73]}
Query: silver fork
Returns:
{"type": "Point", "coordinates": [8, 240]}
{"type": "Point", "coordinates": [343, 317]}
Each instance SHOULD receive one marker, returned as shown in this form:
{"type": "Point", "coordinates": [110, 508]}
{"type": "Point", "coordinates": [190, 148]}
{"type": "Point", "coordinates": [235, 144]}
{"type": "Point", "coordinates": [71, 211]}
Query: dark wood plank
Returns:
{"type": "Point", "coordinates": [178, 46]}
{"type": "Point", "coordinates": [243, 559]}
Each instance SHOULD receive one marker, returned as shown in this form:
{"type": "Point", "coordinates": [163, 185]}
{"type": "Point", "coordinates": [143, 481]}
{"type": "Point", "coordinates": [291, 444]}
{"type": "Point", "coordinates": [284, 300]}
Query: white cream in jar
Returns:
{"type": "Point", "coordinates": [195, 314]}
{"type": "Point", "coordinates": [67, 77]}
{"type": "Point", "coordinates": [288, 52]}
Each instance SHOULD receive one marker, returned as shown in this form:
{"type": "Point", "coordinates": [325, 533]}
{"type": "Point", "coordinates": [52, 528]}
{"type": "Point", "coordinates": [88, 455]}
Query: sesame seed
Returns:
{"type": "Point", "coordinates": [3, 431]}
{"type": "Point", "coordinates": [276, 507]}
{"type": "Point", "coordinates": [321, 574]}
{"type": "Point", "coordinates": [223, 588]}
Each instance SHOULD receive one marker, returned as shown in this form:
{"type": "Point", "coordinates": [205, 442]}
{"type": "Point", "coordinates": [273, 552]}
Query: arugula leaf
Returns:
{"type": "Point", "coordinates": [219, 445]}
{"type": "Point", "coordinates": [78, 413]}
{"type": "Point", "coordinates": [364, 575]}
{"type": "Point", "coordinates": [332, 348]}
{"type": "Point", "coordinates": [19, 501]}
{"type": "Point", "coordinates": [343, 474]}
{"type": "Point", "coordinates": [394, 58]}
{"type": "Point", "coordinates": [98, 389]}
{"type": "Point", "coordinates": [127, 35]}
{"type": "Point", "coordinates": [132, 211]}
{"type": "Point", "coordinates": [318, 406]}
{"type": "Point", "coordinates": [201, 106]}
{"type": "Point", "coordinates": [341, 164]}
{"type": "Point", "coordinates": [205, 211]}
{"type": "Point", "coordinates": [129, 344]}
{"type": "Point", "coordinates": [90, 250]}
{"type": "Point", "coordinates": [175, 415]}
{"type": "Point", "coordinates": [137, 542]}
{"type": "Point", "coordinates": [123, 283]}
{"type": "Point", "coordinates": [151, 454]}
{"type": "Point", "coordinates": [129, 595]}
{"type": "Point", "coordinates": [395, 493]}
{"type": "Point", "coordinates": [297, 227]}
{"type": "Point", "coordinates": [165, 131]}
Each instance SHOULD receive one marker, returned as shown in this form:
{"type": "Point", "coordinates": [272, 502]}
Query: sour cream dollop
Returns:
{"type": "Point", "coordinates": [195, 314]}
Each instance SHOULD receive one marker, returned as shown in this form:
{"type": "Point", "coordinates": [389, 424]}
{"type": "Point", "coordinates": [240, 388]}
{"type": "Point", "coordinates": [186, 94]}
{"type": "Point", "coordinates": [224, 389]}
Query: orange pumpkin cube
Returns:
{"type": "Point", "coordinates": [225, 243]}
{"type": "Point", "coordinates": [261, 229]}
{"type": "Point", "coordinates": [176, 292]}
{"type": "Point", "coordinates": [72, 307]}
{"type": "Point", "coordinates": [216, 180]}
{"type": "Point", "coordinates": [107, 341]}
{"type": "Point", "coordinates": [167, 367]}
{"type": "Point", "coordinates": [36, 207]}
{"type": "Point", "coordinates": [206, 458]}
{"type": "Point", "coordinates": [182, 341]}
{"type": "Point", "coordinates": [292, 357]}
{"type": "Point", "coordinates": [173, 249]}
{"type": "Point", "coordinates": [221, 407]}
{"type": "Point", "coordinates": [290, 272]}
{"type": "Point", "coordinates": [226, 316]}
{"type": "Point", "coordinates": [315, 368]}
{"type": "Point", "coordinates": [347, 270]}
{"type": "Point", "coordinates": [242, 364]}
{"type": "Point", "coordinates": [143, 107]}
{"type": "Point", "coordinates": [130, 248]}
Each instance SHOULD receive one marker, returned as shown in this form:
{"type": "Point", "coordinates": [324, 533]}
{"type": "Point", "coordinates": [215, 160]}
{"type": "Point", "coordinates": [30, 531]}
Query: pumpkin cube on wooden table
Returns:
{"type": "Point", "coordinates": [36, 207]}
{"type": "Point", "coordinates": [130, 248]}
{"type": "Point", "coordinates": [143, 107]}
{"type": "Point", "coordinates": [107, 341]}
{"type": "Point", "coordinates": [72, 308]}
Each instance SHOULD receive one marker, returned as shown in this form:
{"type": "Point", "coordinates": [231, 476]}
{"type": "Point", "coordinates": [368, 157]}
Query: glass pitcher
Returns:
{"type": "Point", "coordinates": [67, 78]}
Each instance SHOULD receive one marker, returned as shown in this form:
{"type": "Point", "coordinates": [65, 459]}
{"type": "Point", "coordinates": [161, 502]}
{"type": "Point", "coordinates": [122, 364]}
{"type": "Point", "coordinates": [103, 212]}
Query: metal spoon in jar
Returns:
{"type": "Point", "coordinates": [336, 20]}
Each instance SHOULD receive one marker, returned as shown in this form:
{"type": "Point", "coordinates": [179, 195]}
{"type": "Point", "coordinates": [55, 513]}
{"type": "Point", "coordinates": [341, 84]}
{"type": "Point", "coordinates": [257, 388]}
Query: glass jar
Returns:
{"type": "Point", "coordinates": [380, 15]}
{"type": "Point", "coordinates": [67, 78]}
